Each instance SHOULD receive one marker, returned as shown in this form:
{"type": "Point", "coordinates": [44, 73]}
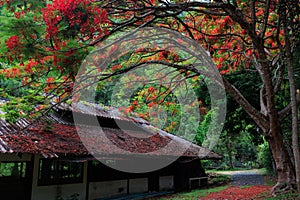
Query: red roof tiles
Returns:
{"type": "Point", "coordinates": [63, 138]}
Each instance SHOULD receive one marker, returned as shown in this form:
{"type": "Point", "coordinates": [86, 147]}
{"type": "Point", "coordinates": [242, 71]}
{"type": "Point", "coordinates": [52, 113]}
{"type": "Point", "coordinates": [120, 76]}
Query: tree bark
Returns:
{"type": "Point", "coordinates": [284, 167]}
{"type": "Point", "coordinates": [258, 117]}
{"type": "Point", "coordinates": [229, 151]}
{"type": "Point", "coordinates": [295, 136]}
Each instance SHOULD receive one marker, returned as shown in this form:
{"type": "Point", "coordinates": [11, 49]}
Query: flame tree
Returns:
{"type": "Point", "coordinates": [43, 44]}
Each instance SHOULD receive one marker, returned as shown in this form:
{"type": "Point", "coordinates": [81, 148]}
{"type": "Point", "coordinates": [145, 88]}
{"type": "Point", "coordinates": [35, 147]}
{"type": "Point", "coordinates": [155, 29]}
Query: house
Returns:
{"type": "Point", "coordinates": [51, 160]}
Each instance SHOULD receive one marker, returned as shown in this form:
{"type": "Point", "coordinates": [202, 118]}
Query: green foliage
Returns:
{"type": "Point", "coordinates": [12, 87]}
{"type": "Point", "coordinates": [11, 26]}
{"type": "Point", "coordinates": [237, 120]}
{"type": "Point", "coordinates": [143, 95]}
{"type": "Point", "coordinates": [237, 150]}
{"type": "Point", "coordinates": [203, 128]}
{"type": "Point", "coordinates": [195, 194]}
{"type": "Point", "coordinates": [240, 136]}
{"type": "Point", "coordinates": [265, 157]}
{"type": "Point", "coordinates": [18, 107]}
{"type": "Point", "coordinates": [12, 169]}
{"type": "Point", "coordinates": [19, 101]}
{"type": "Point", "coordinates": [218, 179]}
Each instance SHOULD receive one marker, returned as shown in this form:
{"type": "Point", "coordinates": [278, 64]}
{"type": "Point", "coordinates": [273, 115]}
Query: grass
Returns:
{"type": "Point", "coordinates": [260, 171]}
{"type": "Point", "coordinates": [215, 181]}
{"type": "Point", "coordinates": [290, 195]}
{"type": "Point", "coordinates": [219, 182]}
{"type": "Point", "coordinates": [218, 179]}
{"type": "Point", "coordinates": [245, 186]}
{"type": "Point", "coordinates": [226, 170]}
{"type": "Point", "coordinates": [269, 181]}
{"type": "Point", "coordinates": [195, 194]}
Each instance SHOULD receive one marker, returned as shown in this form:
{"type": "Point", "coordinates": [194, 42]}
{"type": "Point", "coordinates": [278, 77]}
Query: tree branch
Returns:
{"type": "Point", "coordinates": [259, 118]}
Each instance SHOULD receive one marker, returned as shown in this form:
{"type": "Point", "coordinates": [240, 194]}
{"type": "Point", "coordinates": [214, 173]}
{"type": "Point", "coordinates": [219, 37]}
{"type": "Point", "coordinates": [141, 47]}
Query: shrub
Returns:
{"type": "Point", "coordinates": [265, 158]}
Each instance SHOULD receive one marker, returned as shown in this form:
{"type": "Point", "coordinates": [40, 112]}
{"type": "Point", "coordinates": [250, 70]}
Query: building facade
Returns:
{"type": "Point", "coordinates": [48, 160]}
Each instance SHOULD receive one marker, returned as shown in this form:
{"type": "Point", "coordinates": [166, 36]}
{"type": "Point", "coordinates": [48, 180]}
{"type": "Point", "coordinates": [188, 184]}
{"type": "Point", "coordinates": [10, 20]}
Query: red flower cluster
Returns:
{"type": "Point", "coordinates": [74, 13]}
{"type": "Point", "coordinates": [11, 73]}
{"type": "Point", "coordinates": [13, 42]}
{"type": "Point", "coordinates": [2, 2]}
{"type": "Point", "coordinates": [30, 65]}
{"type": "Point", "coordinates": [14, 47]}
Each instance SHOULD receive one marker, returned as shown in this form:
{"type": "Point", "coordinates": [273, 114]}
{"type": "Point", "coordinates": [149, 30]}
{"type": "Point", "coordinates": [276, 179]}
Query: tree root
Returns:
{"type": "Point", "coordinates": [275, 188]}
{"type": "Point", "coordinates": [281, 188]}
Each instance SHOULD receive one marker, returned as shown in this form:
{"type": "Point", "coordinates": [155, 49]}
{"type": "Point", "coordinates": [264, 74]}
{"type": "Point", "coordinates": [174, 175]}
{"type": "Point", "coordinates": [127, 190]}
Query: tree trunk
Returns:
{"type": "Point", "coordinates": [295, 139]}
{"type": "Point", "coordinates": [272, 132]}
{"type": "Point", "coordinates": [229, 151]}
{"type": "Point", "coordinates": [284, 166]}
{"type": "Point", "coordinates": [269, 120]}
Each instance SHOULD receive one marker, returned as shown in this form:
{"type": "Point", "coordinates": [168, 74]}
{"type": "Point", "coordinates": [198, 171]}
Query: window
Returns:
{"type": "Point", "coordinates": [52, 172]}
{"type": "Point", "coordinates": [15, 170]}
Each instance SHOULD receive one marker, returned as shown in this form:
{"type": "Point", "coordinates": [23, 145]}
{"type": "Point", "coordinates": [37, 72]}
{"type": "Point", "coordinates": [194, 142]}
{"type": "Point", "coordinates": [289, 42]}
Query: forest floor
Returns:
{"type": "Point", "coordinates": [240, 193]}
{"type": "Point", "coordinates": [244, 185]}
{"type": "Point", "coordinates": [241, 185]}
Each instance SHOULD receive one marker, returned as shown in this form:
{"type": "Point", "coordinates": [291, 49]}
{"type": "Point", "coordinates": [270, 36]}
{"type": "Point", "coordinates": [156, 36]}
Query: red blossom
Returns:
{"type": "Point", "coordinates": [17, 15]}
{"type": "Point", "coordinates": [15, 71]}
{"type": "Point", "coordinates": [115, 67]}
{"type": "Point", "coordinates": [25, 80]}
{"type": "Point", "coordinates": [235, 193]}
{"type": "Point", "coordinates": [151, 104]}
{"type": "Point", "coordinates": [226, 19]}
{"type": "Point", "coordinates": [13, 42]}
{"type": "Point", "coordinates": [74, 12]}
{"type": "Point", "coordinates": [50, 79]}
{"type": "Point", "coordinates": [28, 67]}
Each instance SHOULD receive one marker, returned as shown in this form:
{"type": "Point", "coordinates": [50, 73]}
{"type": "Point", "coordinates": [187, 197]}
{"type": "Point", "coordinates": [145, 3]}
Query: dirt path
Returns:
{"type": "Point", "coordinates": [242, 178]}
{"type": "Point", "coordinates": [256, 171]}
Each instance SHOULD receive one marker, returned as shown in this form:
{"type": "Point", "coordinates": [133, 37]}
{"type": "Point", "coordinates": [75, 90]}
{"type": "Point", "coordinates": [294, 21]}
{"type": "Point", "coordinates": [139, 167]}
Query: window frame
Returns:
{"type": "Point", "coordinates": [21, 172]}
{"type": "Point", "coordinates": [58, 172]}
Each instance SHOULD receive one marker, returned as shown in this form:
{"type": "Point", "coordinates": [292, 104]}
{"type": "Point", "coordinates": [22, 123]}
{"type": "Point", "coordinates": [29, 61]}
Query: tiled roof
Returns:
{"type": "Point", "coordinates": [63, 138]}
